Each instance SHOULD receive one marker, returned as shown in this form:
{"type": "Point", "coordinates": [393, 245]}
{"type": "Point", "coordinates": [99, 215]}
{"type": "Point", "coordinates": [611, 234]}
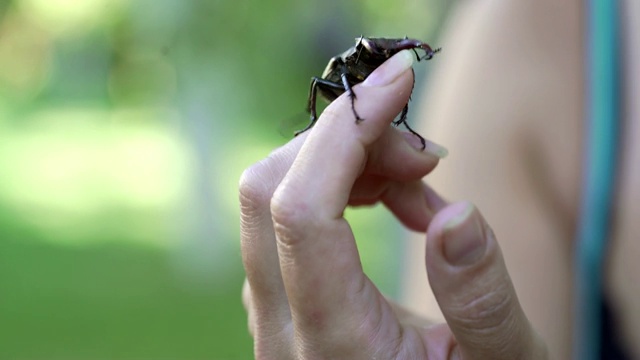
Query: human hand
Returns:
{"type": "Point", "coordinates": [306, 294]}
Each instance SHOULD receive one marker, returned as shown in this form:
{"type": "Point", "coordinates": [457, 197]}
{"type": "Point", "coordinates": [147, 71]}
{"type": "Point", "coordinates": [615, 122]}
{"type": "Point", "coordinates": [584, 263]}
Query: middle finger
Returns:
{"type": "Point", "coordinates": [268, 307]}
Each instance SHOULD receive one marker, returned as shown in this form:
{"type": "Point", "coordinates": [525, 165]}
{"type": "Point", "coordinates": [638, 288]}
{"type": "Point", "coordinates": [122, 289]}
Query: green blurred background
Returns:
{"type": "Point", "coordinates": [124, 127]}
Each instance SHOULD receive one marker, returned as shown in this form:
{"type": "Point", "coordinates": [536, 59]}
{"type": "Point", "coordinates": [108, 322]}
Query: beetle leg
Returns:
{"type": "Point", "coordinates": [417, 55]}
{"type": "Point", "coordinates": [313, 95]}
{"type": "Point", "coordinates": [403, 117]}
{"type": "Point", "coordinates": [422, 141]}
{"type": "Point", "coordinates": [403, 120]}
{"type": "Point", "coordinates": [352, 94]}
{"type": "Point", "coordinates": [405, 110]}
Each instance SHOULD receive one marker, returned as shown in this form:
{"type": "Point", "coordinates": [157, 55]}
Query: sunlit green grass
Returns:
{"type": "Point", "coordinates": [112, 301]}
{"type": "Point", "coordinates": [92, 248]}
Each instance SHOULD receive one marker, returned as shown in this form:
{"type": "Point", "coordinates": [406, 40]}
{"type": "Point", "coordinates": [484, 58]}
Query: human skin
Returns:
{"type": "Point", "coordinates": [306, 294]}
{"type": "Point", "coordinates": [506, 98]}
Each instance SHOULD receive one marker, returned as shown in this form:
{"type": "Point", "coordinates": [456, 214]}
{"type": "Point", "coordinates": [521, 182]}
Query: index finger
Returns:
{"type": "Point", "coordinates": [318, 258]}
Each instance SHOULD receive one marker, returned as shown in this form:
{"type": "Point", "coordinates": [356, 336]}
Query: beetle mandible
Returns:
{"type": "Point", "coordinates": [353, 66]}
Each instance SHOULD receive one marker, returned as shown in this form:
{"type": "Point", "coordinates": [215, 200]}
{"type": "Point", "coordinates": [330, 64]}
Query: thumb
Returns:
{"type": "Point", "coordinates": [474, 291]}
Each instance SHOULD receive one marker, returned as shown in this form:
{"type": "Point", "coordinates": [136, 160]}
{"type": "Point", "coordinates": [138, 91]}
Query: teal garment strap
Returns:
{"type": "Point", "coordinates": [599, 176]}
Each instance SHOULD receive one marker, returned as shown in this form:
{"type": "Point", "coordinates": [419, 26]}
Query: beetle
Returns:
{"type": "Point", "coordinates": [353, 66]}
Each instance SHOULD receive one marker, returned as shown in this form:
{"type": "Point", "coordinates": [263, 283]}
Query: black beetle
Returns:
{"type": "Point", "coordinates": [353, 66]}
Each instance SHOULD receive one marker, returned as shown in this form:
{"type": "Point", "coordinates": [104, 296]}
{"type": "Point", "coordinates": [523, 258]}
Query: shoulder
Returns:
{"type": "Point", "coordinates": [508, 104]}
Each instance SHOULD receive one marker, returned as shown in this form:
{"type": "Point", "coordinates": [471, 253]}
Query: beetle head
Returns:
{"type": "Point", "coordinates": [385, 48]}
{"type": "Point", "coordinates": [376, 46]}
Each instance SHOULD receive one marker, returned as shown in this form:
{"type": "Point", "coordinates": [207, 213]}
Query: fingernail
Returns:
{"type": "Point", "coordinates": [391, 69]}
{"type": "Point", "coordinates": [464, 241]}
{"type": "Point", "coordinates": [429, 147]}
{"type": "Point", "coordinates": [435, 149]}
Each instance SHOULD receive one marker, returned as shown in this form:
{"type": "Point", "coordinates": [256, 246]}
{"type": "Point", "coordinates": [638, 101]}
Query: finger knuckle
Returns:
{"type": "Point", "coordinates": [257, 184]}
{"type": "Point", "coordinates": [488, 311]}
{"type": "Point", "coordinates": [292, 215]}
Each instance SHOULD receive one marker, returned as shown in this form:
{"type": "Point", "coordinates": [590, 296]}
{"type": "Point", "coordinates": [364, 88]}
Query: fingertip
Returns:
{"type": "Point", "coordinates": [463, 236]}
{"type": "Point", "coordinates": [391, 69]}
{"type": "Point", "coordinates": [399, 156]}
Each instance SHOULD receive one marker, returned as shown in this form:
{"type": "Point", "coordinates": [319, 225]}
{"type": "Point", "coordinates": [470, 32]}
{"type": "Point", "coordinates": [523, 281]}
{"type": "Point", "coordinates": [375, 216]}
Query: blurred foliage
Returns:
{"type": "Point", "coordinates": [124, 127]}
